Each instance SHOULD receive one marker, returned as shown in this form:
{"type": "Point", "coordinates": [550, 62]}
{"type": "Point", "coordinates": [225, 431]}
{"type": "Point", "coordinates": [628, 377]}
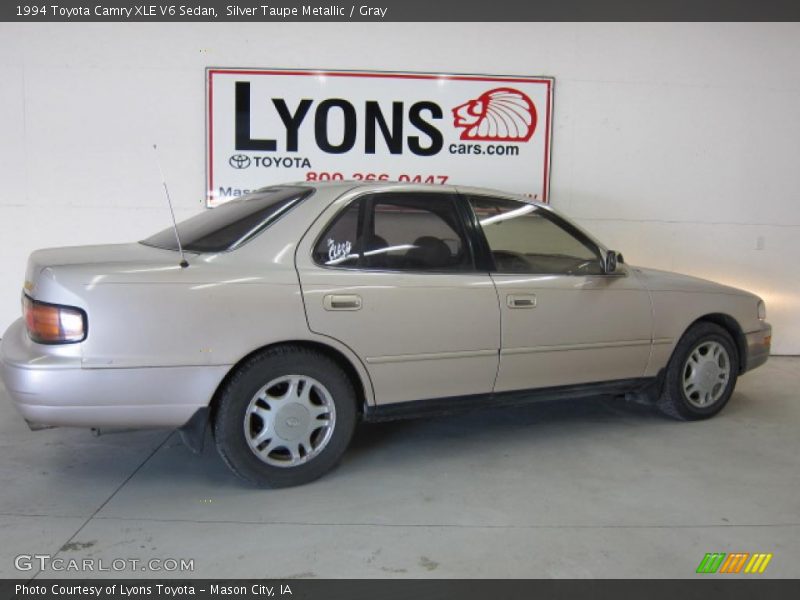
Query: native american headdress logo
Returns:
{"type": "Point", "coordinates": [501, 114]}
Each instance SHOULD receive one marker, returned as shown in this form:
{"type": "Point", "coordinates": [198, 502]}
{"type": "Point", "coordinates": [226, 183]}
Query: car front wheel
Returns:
{"type": "Point", "coordinates": [701, 374]}
{"type": "Point", "coordinates": [285, 417]}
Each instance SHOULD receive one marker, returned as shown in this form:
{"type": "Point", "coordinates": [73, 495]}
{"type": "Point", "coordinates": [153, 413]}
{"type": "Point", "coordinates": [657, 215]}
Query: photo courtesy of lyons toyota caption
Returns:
{"type": "Point", "coordinates": [282, 318]}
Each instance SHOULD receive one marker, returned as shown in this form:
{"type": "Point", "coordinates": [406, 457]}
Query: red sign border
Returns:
{"type": "Point", "coordinates": [211, 71]}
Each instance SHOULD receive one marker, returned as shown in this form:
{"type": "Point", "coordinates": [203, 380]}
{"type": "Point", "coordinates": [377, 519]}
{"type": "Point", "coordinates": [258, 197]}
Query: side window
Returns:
{"type": "Point", "coordinates": [526, 239]}
{"type": "Point", "coordinates": [337, 246]}
{"type": "Point", "coordinates": [399, 232]}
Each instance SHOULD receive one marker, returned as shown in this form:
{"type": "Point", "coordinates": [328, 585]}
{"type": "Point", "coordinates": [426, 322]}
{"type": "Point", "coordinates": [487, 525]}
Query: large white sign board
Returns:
{"type": "Point", "coordinates": [276, 126]}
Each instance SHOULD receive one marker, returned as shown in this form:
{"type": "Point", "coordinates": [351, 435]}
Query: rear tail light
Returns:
{"type": "Point", "coordinates": [53, 323]}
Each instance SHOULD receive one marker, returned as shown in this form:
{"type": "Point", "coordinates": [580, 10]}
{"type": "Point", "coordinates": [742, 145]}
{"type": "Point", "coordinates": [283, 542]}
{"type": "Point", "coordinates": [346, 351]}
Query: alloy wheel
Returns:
{"type": "Point", "coordinates": [290, 420]}
{"type": "Point", "coordinates": [706, 373]}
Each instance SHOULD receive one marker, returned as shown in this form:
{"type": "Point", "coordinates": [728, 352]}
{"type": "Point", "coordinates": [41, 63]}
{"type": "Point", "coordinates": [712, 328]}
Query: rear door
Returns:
{"type": "Point", "coordinates": [392, 275]}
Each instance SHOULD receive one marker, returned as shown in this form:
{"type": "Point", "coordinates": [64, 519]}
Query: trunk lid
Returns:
{"type": "Point", "coordinates": [86, 262]}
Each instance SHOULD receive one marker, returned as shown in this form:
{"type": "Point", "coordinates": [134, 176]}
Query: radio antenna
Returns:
{"type": "Point", "coordinates": [184, 263]}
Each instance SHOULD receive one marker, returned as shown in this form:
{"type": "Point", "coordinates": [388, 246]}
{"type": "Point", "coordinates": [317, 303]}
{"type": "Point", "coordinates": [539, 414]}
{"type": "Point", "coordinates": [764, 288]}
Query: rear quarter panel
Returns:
{"type": "Point", "coordinates": [189, 319]}
{"type": "Point", "coordinates": [215, 312]}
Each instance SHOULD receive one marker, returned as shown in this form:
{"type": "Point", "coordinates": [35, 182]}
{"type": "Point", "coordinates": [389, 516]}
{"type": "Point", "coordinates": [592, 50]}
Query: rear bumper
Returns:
{"type": "Point", "coordinates": [758, 347]}
{"type": "Point", "coordinates": [52, 390]}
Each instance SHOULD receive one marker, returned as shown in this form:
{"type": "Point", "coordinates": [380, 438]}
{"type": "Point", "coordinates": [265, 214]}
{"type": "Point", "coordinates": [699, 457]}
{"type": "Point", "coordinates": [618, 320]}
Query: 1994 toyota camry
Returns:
{"type": "Point", "coordinates": [301, 309]}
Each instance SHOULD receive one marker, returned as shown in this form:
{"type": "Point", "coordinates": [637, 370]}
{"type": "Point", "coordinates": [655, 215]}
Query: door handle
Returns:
{"type": "Point", "coordinates": [341, 302]}
{"type": "Point", "coordinates": [521, 301]}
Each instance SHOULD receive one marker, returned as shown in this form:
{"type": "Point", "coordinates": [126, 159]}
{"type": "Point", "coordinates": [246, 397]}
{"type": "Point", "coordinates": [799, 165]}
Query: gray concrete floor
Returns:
{"type": "Point", "coordinates": [593, 488]}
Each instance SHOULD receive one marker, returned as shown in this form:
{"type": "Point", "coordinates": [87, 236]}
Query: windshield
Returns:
{"type": "Point", "coordinates": [228, 226]}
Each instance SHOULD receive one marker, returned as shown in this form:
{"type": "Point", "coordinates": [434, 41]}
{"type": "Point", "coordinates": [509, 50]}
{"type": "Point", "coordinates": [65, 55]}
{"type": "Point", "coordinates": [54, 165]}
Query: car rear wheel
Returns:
{"type": "Point", "coordinates": [285, 417]}
{"type": "Point", "coordinates": [701, 374]}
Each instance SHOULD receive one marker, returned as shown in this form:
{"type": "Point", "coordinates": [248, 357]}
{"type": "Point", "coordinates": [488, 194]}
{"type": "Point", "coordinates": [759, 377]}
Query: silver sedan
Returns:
{"type": "Point", "coordinates": [302, 309]}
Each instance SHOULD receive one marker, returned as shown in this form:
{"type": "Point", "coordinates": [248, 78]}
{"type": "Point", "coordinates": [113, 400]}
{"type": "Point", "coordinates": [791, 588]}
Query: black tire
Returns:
{"type": "Point", "coordinates": [673, 400]}
{"type": "Point", "coordinates": [243, 385]}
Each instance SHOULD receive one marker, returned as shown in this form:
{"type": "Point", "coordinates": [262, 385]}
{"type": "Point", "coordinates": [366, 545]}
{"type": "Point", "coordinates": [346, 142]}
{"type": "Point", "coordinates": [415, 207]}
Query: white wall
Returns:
{"type": "Point", "coordinates": [678, 144]}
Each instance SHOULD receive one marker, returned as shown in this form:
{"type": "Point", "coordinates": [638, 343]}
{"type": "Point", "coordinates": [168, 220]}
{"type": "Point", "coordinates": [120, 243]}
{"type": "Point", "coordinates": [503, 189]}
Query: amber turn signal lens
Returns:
{"type": "Point", "coordinates": [53, 323]}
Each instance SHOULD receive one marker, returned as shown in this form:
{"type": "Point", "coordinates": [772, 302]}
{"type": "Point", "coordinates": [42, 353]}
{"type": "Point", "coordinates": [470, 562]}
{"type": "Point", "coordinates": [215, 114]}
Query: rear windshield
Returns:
{"type": "Point", "coordinates": [230, 225]}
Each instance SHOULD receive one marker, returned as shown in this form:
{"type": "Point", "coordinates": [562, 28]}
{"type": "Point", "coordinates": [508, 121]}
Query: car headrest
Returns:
{"type": "Point", "coordinates": [367, 246]}
{"type": "Point", "coordinates": [375, 242]}
{"type": "Point", "coordinates": [429, 252]}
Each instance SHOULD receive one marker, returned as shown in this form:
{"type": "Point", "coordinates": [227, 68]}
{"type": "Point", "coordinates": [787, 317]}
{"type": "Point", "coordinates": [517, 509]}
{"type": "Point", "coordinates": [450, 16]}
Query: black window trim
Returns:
{"type": "Point", "coordinates": [365, 220]}
{"type": "Point", "coordinates": [548, 214]}
{"type": "Point", "coordinates": [483, 260]}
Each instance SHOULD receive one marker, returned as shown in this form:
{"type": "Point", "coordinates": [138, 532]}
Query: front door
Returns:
{"type": "Point", "coordinates": [392, 276]}
{"type": "Point", "coordinates": [564, 321]}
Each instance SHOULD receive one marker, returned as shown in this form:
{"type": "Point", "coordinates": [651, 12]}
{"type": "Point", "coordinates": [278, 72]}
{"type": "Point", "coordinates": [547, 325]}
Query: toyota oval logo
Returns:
{"type": "Point", "coordinates": [239, 161]}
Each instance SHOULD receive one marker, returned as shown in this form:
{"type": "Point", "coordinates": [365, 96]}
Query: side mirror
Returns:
{"type": "Point", "coordinates": [610, 264]}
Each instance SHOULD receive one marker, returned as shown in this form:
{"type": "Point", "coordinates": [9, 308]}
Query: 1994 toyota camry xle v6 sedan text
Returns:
{"type": "Point", "coordinates": [304, 308]}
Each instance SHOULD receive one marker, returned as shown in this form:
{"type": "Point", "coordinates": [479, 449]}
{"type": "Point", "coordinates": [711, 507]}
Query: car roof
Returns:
{"type": "Point", "coordinates": [342, 186]}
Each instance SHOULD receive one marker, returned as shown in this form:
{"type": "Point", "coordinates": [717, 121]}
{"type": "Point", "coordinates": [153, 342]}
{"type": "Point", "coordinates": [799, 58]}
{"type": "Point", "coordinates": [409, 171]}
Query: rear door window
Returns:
{"type": "Point", "coordinates": [399, 231]}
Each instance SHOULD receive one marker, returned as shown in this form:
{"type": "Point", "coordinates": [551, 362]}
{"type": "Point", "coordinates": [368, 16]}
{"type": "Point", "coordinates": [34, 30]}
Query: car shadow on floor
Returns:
{"type": "Point", "coordinates": [403, 441]}
{"type": "Point", "coordinates": [539, 418]}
